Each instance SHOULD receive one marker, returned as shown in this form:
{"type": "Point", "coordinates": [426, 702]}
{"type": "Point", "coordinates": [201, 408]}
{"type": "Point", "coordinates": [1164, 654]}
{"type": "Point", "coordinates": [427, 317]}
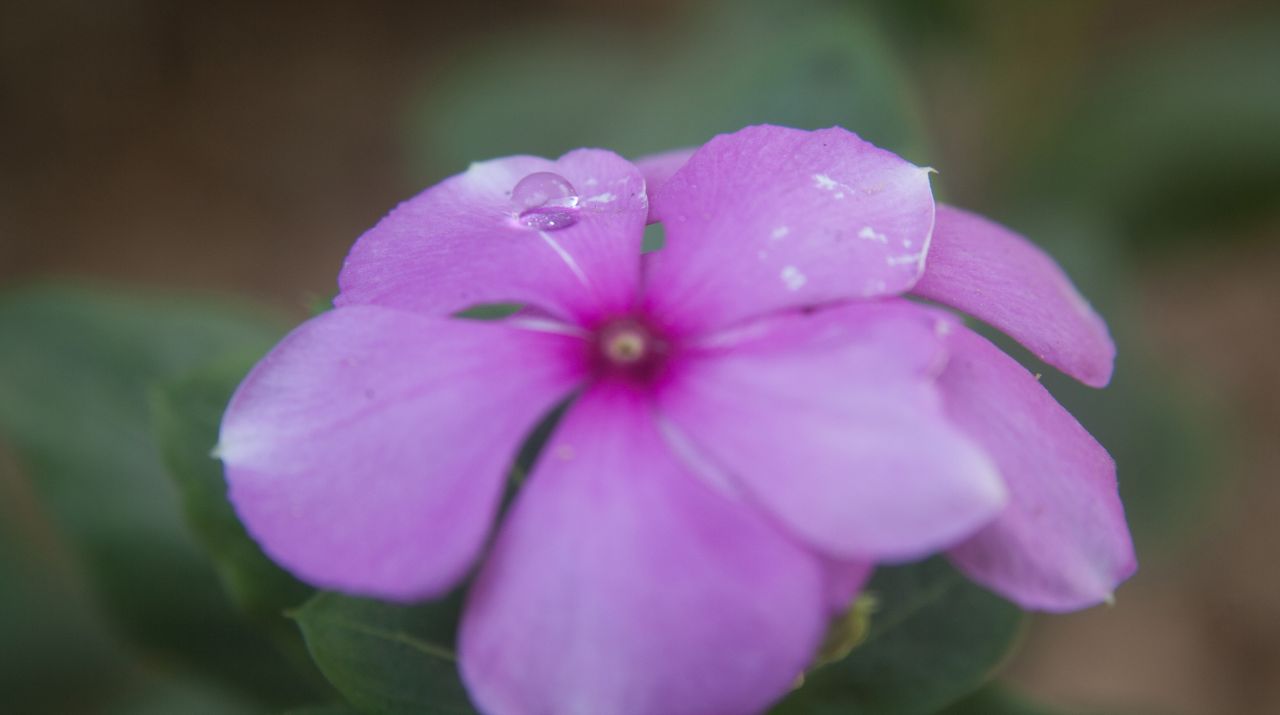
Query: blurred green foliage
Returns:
{"type": "Point", "coordinates": [336, 709]}
{"type": "Point", "coordinates": [934, 638]}
{"type": "Point", "coordinates": [715, 68]}
{"type": "Point", "coordinates": [387, 658]}
{"type": "Point", "coordinates": [186, 413]}
{"type": "Point", "coordinates": [1176, 143]}
{"type": "Point", "coordinates": [994, 701]}
{"type": "Point", "coordinates": [75, 367]}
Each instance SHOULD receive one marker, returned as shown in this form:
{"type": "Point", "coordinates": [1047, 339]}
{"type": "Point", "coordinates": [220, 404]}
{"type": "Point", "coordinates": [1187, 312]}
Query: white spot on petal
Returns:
{"type": "Point", "coordinates": [905, 259]}
{"type": "Point", "coordinates": [871, 234]}
{"type": "Point", "coordinates": [793, 278]}
{"type": "Point", "coordinates": [826, 183]}
{"type": "Point", "coordinates": [780, 233]}
{"type": "Point", "coordinates": [602, 198]}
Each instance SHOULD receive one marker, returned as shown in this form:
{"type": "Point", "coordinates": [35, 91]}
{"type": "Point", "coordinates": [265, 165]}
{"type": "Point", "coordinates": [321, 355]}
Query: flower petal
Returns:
{"type": "Point", "coordinates": [845, 580]}
{"type": "Point", "coordinates": [657, 168]}
{"type": "Point", "coordinates": [460, 243]}
{"type": "Point", "coordinates": [1003, 279]}
{"type": "Point", "coordinates": [366, 453]}
{"type": "Point", "coordinates": [768, 217]}
{"type": "Point", "coordinates": [831, 422]}
{"type": "Point", "coordinates": [1062, 542]}
{"type": "Point", "coordinates": [622, 585]}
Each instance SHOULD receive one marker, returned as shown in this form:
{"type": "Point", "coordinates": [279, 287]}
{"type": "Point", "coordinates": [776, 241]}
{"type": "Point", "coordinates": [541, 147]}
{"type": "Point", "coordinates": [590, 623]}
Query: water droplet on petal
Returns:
{"type": "Point", "coordinates": [549, 218]}
{"type": "Point", "coordinates": [547, 201]}
{"type": "Point", "coordinates": [544, 188]}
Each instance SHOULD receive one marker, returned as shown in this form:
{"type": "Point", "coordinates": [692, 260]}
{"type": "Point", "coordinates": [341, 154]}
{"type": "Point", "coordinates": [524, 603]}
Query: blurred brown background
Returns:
{"type": "Point", "coordinates": [241, 147]}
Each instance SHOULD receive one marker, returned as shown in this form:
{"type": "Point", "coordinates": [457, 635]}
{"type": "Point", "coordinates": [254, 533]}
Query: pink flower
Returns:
{"type": "Point", "coordinates": [757, 417]}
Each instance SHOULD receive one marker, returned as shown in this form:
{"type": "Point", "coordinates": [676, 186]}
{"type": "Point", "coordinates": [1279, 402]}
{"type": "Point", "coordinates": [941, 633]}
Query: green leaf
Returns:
{"type": "Point", "coordinates": [186, 414]}
{"type": "Point", "coordinates": [489, 311]}
{"type": "Point", "coordinates": [935, 638]}
{"type": "Point", "coordinates": [182, 695]}
{"type": "Point", "coordinates": [75, 366]}
{"type": "Point", "coordinates": [717, 68]}
{"type": "Point", "coordinates": [335, 709]}
{"type": "Point", "coordinates": [993, 700]}
{"type": "Point", "coordinates": [655, 237]}
{"type": "Point", "coordinates": [998, 700]}
{"type": "Point", "coordinates": [385, 658]}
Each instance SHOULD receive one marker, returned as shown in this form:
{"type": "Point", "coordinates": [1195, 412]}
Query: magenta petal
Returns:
{"type": "Point", "coordinates": [831, 421]}
{"type": "Point", "coordinates": [845, 580]}
{"type": "Point", "coordinates": [657, 168]}
{"type": "Point", "coordinates": [366, 453]}
{"type": "Point", "coordinates": [1003, 279]}
{"type": "Point", "coordinates": [461, 243]}
{"type": "Point", "coordinates": [1062, 542]}
{"type": "Point", "coordinates": [769, 217]}
{"type": "Point", "coordinates": [620, 584]}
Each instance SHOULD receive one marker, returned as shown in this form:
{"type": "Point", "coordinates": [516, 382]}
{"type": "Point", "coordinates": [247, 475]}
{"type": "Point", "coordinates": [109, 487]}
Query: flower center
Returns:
{"type": "Point", "coordinates": [627, 347]}
{"type": "Point", "coordinates": [630, 348]}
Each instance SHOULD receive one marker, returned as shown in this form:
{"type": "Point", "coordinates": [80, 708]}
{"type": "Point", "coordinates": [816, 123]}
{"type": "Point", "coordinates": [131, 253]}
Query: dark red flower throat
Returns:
{"type": "Point", "coordinates": [629, 348]}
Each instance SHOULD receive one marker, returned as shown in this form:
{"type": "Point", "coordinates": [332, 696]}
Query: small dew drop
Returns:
{"type": "Point", "coordinates": [548, 218]}
{"type": "Point", "coordinates": [544, 188]}
{"type": "Point", "coordinates": [547, 201]}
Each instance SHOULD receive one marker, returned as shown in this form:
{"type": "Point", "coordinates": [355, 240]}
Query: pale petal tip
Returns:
{"type": "Point", "coordinates": [1095, 372]}
{"type": "Point", "coordinates": [1100, 379]}
{"type": "Point", "coordinates": [999, 277]}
